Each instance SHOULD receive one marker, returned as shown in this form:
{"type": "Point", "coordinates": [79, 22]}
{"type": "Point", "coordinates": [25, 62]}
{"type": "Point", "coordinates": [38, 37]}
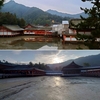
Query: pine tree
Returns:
{"type": "Point", "coordinates": [92, 23]}
{"type": "Point", "coordinates": [1, 3]}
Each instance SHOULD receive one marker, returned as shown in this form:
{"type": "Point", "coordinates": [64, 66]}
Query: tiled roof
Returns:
{"type": "Point", "coordinates": [65, 22]}
{"type": "Point", "coordinates": [72, 65]}
{"type": "Point", "coordinates": [39, 28]}
{"type": "Point", "coordinates": [20, 67]}
{"type": "Point", "coordinates": [17, 68]}
{"type": "Point", "coordinates": [13, 27]}
{"type": "Point", "coordinates": [91, 67]}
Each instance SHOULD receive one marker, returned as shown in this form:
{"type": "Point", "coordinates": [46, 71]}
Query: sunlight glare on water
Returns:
{"type": "Point", "coordinates": [58, 81]}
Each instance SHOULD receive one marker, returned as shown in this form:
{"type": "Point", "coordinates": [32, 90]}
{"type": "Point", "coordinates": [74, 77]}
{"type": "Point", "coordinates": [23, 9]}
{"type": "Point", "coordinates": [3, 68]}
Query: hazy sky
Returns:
{"type": "Point", "coordinates": [47, 57]}
{"type": "Point", "coordinates": [66, 6]}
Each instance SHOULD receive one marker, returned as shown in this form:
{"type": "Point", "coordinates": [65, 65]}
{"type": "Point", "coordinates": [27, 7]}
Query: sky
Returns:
{"type": "Point", "coordinates": [47, 57]}
{"type": "Point", "coordinates": [65, 6]}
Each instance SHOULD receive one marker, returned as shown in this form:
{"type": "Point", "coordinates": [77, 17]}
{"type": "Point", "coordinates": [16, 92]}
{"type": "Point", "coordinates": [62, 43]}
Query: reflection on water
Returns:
{"type": "Point", "coordinates": [50, 88]}
{"type": "Point", "coordinates": [57, 81]}
{"type": "Point", "coordinates": [34, 42]}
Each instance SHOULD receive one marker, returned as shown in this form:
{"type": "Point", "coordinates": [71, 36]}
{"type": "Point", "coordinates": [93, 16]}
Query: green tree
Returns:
{"type": "Point", "coordinates": [1, 3]}
{"type": "Point", "coordinates": [21, 22]}
{"type": "Point", "coordinates": [92, 22]}
{"type": "Point", "coordinates": [31, 64]}
{"type": "Point", "coordinates": [8, 18]}
{"type": "Point", "coordinates": [41, 66]}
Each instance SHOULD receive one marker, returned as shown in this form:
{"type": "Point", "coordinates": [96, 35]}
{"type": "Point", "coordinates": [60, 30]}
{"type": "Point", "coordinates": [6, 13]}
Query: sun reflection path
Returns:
{"type": "Point", "coordinates": [59, 86]}
{"type": "Point", "coordinates": [58, 81]}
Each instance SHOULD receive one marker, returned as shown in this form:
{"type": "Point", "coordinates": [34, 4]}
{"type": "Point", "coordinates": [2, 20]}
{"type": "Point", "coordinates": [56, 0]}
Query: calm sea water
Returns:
{"type": "Point", "coordinates": [50, 88]}
{"type": "Point", "coordinates": [19, 43]}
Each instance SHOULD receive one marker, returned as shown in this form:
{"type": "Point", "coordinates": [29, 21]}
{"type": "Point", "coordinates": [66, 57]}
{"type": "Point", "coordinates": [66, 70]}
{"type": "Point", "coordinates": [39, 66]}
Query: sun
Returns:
{"type": "Point", "coordinates": [57, 60]}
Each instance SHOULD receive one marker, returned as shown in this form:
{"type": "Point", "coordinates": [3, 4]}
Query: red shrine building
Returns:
{"type": "Point", "coordinates": [10, 30]}
{"type": "Point", "coordinates": [37, 30]}
{"type": "Point", "coordinates": [13, 30]}
{"type": "Point", "coordinates": [70, 36]}
{"type": "Point", "coordinates": [71, 69]}
{"type": "Point", "coordinates": [11, 70]}
{"type": "Point", "coordinates": [74, 69]}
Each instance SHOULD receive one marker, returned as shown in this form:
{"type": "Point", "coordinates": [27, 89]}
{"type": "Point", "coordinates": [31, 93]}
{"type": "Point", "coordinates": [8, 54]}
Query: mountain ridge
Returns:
{"type": "Point", "coordinates": [54, 12]}
{"type": "Point", "coordinates": [92, 60]}
{"type": "Point", "coordinates": [32, 15]}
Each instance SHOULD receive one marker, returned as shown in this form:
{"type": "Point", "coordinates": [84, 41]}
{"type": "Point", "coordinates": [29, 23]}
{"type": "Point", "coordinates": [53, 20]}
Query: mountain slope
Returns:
{"type": "Point", "coordinates": [31, 15]}
{"type": "Point", "coordinates": [54, 12]}
{"type": "Point", "coordinates": [93, 60]}
{"type": "Point", "coordinates": [15, 8]}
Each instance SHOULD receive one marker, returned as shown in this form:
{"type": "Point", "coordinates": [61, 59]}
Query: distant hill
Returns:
{"type": "Point", "coordinates": [15, 8]}
{"type": "Point", "coordinates": [31, 14]}
{"type": "Point", "coordinates": [93, 60]}
{"type": "Point", "coordinates": [54, 12]}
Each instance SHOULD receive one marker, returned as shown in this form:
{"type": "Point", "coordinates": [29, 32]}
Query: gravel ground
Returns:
{"type": "Point", "coordinates": [50, 88]}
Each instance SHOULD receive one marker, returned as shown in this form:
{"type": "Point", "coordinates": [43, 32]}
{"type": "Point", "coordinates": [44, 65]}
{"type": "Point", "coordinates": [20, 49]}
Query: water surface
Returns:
{"type": "Point", "coordinates": [19, 43]}
{"type": "Point", "coordinates": [50, 88]}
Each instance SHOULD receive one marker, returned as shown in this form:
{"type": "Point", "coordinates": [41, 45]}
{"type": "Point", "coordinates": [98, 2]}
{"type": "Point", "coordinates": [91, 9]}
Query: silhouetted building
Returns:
{"type": "Point", "coordinates": [21, 70]}
{"type": "Point", "coordinates": [72, 69]}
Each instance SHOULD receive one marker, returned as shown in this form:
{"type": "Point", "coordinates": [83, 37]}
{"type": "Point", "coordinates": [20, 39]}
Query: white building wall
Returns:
{"type": "Point", "coordinates": [64, 27]}
{"type": "Point", "coordinates": [59, 28]}
{"type": "Point", "coordinates": [1, 33]}
{"type": "Point", "coordinates": [5, 33]}
{"type": "Point", "coordinates": [29, 32]}
{"type": "Point", "coordinates": [70, 39]}
{"type": "Point", "coordinates": [70, 31]}
{"type": "Point", "coordinates": [9, 33]}
{"type": "Point", "coordinates": [98, 39]}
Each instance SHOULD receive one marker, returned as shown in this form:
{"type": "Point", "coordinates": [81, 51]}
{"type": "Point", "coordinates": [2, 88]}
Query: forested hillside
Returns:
{"type": "Point", "coordinates": [31, 15]}
{"type": "Point", "coordinates": [8, 18]}
{"type": "Point", "coordinates": [92, 60]}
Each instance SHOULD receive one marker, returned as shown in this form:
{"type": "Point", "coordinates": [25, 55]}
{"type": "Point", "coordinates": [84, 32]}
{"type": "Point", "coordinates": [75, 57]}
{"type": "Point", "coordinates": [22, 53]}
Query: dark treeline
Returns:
{"type": "Point", "coordinates": [1, 3]}
{"type": "Point", "coordinates": [44, 19]}
{"type": "Point", "coordinates": [11, 19]}
{"type": "Point", "coordinates": [39, 65]}
{"type": "Point", "coordinates": [91, 23]}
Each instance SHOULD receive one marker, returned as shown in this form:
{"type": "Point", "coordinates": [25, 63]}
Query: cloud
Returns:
{"type": "Point", "coordinates": [17, 52]}
{"type": "Point", "coordinates": [48, 52]}
{"type": "Point", "coordinates": [12, 60]}
{"type": "Point", "coordinates": [47, 57]}
{"type": "Point", "coordinates": [43, 59]}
